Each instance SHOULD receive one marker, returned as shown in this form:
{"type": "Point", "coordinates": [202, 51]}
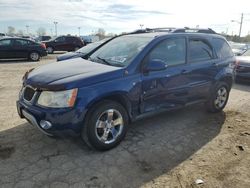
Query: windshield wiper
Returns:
{"type": "Point", "coordinates": [105, 61]}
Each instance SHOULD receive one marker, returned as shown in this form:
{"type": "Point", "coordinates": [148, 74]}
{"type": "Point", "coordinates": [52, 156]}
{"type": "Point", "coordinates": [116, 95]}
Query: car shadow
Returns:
{"type": "Point", "coordinates": [242, 85]}
{"type": "Point", "coordinates": [152, 147]}
{"type": "Point", "coordinates": [9, 61]}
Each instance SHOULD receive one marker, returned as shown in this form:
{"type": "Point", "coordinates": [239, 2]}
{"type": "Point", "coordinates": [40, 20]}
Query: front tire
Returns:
{"type": "Point", "coordinates": [34, 56]}
{"type": "Point", "coordinates": [219, 98]}
{"type": "Point", "coordinates": [105, 126]}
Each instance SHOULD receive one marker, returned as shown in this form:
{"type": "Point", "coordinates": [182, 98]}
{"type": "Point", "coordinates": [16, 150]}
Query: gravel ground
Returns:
{"type": "Point", "coordinates": [171, 149]}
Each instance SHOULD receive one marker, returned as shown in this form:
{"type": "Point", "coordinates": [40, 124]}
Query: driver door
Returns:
{"type": "Point", "coordinates": [60, 44]}
{"type": "Point", "coordinates": [166, 88]}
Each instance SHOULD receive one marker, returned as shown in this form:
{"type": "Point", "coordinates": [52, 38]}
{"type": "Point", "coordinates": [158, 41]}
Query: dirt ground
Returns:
{"type": "Point", "coordinates": [171, 149]}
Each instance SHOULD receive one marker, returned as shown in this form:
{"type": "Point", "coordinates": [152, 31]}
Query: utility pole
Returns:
{"type": "Point", "coordinates": [56, 28]}
{"type": "Point", "coordinates": [79, 30]}
{"type": "Point", "coordinates": [141, 25]}
{"type": "Point", "coordinates": [241, 22]}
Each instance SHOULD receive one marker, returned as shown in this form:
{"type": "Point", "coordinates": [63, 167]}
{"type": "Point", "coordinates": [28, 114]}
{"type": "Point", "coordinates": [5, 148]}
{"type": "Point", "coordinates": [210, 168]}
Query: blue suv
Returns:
{"type": "Point", "coordinates": [129, 77]}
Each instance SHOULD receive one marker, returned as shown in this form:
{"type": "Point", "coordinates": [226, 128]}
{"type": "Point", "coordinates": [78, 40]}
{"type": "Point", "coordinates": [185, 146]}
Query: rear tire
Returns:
{"type": "Point", "coordinates": [50, 50]}
{"type": "Point", "coordinates": [218, 98]}
{"type": "Point", "coordinates": [105, 125]}
{"type": "Point", "coordinates": [34, 56]}
{"type": "Point", "coordinates": [76, 48]}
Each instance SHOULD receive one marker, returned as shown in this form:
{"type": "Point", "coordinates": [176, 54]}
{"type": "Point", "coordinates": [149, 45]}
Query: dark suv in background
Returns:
{"type": "Point", "coordinates": [64, 43]}
{"type": "Point", "coordinates": [124, 80]}
{"type": "Point", "coordinates": [43, 38]}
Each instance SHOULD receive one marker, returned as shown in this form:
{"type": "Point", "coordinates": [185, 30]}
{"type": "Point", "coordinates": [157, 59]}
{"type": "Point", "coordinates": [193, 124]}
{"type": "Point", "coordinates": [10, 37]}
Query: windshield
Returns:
{"type": "Point", "coordinates": [89, 47]}
{"type": "Point", "coordinates": [120, 51]}
{"type": "Point", "coordinates": [247, 53]}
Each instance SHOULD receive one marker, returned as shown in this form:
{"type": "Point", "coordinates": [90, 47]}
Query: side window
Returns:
{"type": "Point", "coordinates": [170, 51]}
{"type": "Point", "coordinates": [5, 42]}
{"type": "Point", "coordinates": [60, 39]}
{"type": "Point", "coordinates": [199, 50]}
{"type": "Point", "coordinates": [223, 50]}
{"type": "Point", "coordinates": [19, 42]}
{"type": "Point", "coordinates": [70, 39]}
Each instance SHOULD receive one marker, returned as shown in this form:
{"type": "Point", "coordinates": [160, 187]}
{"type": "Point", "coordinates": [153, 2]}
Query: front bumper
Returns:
{"type": "Point", "coordinates": [243, 76]}
{"type": "Point", "coordinates": [43, 53]}
{"type": "Point", "coordinates": [64, 121]}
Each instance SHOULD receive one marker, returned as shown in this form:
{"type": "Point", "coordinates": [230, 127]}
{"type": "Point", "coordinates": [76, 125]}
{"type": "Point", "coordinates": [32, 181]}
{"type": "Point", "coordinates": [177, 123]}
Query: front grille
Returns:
{"type": "Point", "coordinates": [243, 69]}
{"type": "Point", "coordinates": [28, 93]}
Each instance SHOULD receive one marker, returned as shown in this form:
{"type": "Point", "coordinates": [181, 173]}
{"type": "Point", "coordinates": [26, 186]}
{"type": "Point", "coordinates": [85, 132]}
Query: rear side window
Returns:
{"type": "Point", "coordinates": [69, 39]}
{"type": "Point", "coordinates": [223, 50]}
{"type": "Point", "coordinates": [21, 42]}
{"type": "Point", "coordinates": [199, 50]}
{"type": "Point", "coordinates": [60, 39]}
{"type": "Point", "coordinates": [170, 51]}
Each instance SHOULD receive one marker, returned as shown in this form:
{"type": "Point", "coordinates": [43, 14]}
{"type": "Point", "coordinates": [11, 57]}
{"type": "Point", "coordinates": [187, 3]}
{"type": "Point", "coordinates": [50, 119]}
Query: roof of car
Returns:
{"type": "Point", "coordinates": [155, 32]}
{"type": "Point", "coordinates": [16, 38]}
{"type": "Point", "coordinates": [158, 34]}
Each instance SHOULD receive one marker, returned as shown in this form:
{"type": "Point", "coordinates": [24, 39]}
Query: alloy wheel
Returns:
{"type": "Point", "coordinates": [221, 97]}
{"type": "Point", "coordinates": [34, 56]}
{"type": "Point", "coordinates": [109, 126]}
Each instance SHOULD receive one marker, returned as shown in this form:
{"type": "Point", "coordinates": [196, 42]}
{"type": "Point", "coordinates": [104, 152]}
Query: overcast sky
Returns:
{"type": "Point", "coordinates": [117, 16]}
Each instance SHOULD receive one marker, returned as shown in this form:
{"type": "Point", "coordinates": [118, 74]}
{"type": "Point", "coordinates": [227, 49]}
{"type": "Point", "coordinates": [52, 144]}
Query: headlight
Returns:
{"type": "Point", "coordinates": [58, 99]}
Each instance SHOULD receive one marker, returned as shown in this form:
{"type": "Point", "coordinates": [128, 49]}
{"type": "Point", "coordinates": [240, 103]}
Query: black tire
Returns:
{"type": "Point", "coordinates": [34, 56]}
{"type": "Point", "coordinates": [50, 50]}
{"type": "Point", "coordinates": [92, 135]}
{"type": "Point", "coordinates": [213, 105]}
{"type": "Point", "coordinates": [76, 48]}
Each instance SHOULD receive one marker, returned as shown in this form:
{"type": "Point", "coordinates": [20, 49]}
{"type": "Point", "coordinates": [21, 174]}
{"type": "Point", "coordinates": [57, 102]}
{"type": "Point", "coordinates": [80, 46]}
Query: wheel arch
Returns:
{"type": "Point", "coordinates": [225, 75]}
{"type": "Point", "coordinates": [118, 97]}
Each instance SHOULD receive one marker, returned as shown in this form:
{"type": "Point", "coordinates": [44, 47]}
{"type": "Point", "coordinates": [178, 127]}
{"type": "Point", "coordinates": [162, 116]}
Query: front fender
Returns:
{"type": "Point", "coordinates": [127, 88]}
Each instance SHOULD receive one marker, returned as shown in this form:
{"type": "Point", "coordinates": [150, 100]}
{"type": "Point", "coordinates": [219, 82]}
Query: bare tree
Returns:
{"type": "Point", "coordinates": [20, 32]}
{"type": "Point", "coordinates": [101, 33]}
{"type": "Point", "coordinates": [41, 31]}
{"type": "Point", "coordinates": [11, 31]}
{"type": "Point", "coordinates": [110, 35]}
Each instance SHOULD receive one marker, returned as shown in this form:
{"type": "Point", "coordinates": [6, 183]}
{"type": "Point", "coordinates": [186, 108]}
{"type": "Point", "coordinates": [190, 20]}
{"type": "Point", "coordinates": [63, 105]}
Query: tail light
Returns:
{"type": "Point", "coordinates": [237, 63]}
{"type": "Point", "coordinates": [43, 45]}
{"type": "Point", "coordinates": [234, 65]}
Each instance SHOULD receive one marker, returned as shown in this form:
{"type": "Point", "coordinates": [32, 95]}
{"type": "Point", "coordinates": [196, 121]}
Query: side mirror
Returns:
{"type": "Point", "coordinates": [155, 65]}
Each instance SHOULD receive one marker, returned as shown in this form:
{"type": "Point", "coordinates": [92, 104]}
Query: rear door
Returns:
{"type": "Point", "coordinates": [166, 88]}
{"type": "Point", "coordinates": [6, 48]}
{"type": "Point", "coordinates": [202, 68]}
{"type": "Point", "coordinates": [61, 44]}
{"type": "Point", "coordinates": [71, 43]}
{"type": "Point", "coordinates": [21, 48]}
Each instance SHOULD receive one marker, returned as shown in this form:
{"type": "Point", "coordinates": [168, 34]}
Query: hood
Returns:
{"type": "Point", "coordinates": [74, 73]}
{"type": "Point", "coordinates": [238, 51]}
{"type": "Point", "coordinates": [69, 55]}
{"type": "Point", "coordinates": [243, 60]}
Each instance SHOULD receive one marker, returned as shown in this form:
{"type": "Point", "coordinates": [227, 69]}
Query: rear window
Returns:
{"type": "Point", "coordinates": [223, 50]}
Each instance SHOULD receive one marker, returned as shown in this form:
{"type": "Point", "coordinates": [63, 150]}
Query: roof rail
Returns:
{"type": "Point", "coordinates": [150, 30]}
{"type": "Point", "coordinates": [194, 30]}
{"type": "Point", "coordinates": [174, 30]}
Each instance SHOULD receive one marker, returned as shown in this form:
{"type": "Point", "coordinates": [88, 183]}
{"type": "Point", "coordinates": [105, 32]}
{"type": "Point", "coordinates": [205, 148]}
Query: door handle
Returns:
{"type": "Point", "coordinates": [184, 71]}
{"type": "Point", "coordinates": [215, 64]}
